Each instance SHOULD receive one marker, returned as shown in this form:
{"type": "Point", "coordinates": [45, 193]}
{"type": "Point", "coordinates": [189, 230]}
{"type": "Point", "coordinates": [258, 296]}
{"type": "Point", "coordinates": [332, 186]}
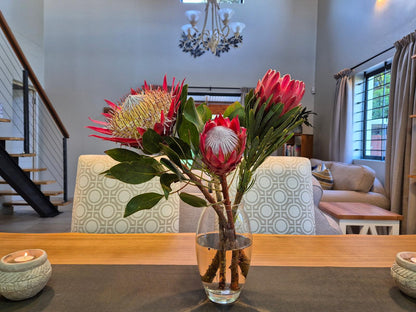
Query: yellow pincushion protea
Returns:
{"type": "Point", "coordinates": [141, 110]}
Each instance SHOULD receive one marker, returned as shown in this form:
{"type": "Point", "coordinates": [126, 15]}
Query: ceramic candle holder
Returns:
{"type": "Point", "coordinates": [25, 277]}
{"type": "Point", "coordinates": [403, 272]}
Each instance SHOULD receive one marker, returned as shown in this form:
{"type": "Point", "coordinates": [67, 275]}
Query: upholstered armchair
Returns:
{"type": "Point", "coordinates": [99, 202]}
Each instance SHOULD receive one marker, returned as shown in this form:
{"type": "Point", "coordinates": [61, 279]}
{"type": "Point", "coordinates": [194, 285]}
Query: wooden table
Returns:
{"type": "Point", "coordinates": [178, 249]}
{"type": "Point", "coordinates": [364, 215]}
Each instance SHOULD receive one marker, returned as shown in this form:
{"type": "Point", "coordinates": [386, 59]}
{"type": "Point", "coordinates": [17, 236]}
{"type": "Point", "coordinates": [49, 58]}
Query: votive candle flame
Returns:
{"type": "Point", "coordinates": [24, 258]}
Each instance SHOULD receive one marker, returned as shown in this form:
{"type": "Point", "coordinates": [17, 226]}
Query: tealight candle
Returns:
{"type": "Point", "coordinates": [413, 259]}
{"type": "Point", "coordinates": [24, 273]}
{"type": "Point", "coordinates": [24, 258]}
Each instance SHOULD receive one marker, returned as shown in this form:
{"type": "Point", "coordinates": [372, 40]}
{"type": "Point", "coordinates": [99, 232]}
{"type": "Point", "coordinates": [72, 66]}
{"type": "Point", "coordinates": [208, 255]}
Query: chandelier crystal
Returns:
{"type": "Point", "coordinates": [218, 39]}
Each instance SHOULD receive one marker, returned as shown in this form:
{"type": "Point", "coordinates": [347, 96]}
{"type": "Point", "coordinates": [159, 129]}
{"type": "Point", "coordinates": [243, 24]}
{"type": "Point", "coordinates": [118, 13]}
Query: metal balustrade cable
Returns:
{"type": "Point", "coordinates": [25, 103]}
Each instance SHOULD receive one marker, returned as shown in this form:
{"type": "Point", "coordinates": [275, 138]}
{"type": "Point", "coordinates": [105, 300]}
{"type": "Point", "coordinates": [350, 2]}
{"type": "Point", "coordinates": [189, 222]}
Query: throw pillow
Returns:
{"type": "Point", "coordinates": [350, 177]}
{"type": "Point", "coordinates": [324, 176]}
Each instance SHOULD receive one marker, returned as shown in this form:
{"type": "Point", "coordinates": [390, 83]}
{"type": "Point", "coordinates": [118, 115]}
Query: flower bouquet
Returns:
{"type": "Point", "coordinates": [214, 155]}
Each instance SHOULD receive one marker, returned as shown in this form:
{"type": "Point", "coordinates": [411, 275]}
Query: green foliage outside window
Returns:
{"type": "Point", "coordinates": [380, 95]}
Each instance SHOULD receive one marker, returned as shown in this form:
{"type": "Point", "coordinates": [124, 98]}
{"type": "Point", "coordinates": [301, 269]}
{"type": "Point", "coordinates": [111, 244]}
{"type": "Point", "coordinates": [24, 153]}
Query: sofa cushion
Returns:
{"type": "Point", "coordinates": [372, 198]}
{"type": "Point", "coordinates": [352, 177]}
{"type": "Point", "coordinates": [324, 176]}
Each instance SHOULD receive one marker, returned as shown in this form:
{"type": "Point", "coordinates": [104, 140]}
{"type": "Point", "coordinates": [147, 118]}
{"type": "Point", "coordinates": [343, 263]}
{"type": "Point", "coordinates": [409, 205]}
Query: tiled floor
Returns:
{"type": "Point", "coordinates": [26, 220]}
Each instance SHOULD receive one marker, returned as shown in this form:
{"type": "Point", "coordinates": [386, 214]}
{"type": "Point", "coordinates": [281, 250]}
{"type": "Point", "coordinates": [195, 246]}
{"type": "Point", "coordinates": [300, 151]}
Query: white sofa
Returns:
{"type": "Point", "coordinates": [353, 183]}
{"type": "Point", "coordinates": [281, 201]}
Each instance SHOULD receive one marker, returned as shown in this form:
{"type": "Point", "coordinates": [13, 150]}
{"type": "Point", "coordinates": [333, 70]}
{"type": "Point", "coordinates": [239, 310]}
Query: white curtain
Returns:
{"type": "Point", "coordinates": [401, 134]}
{"type": "Point", "coordinates": [340, 144]}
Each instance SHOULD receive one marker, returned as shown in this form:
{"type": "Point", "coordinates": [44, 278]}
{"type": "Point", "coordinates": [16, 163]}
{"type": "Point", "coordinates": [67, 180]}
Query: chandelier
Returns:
{"type": "Point", "coordinates": [218, 39]}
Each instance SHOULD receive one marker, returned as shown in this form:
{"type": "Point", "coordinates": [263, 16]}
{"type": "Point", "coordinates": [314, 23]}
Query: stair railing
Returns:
{"type": "Point", "coordinates": [36, 118]}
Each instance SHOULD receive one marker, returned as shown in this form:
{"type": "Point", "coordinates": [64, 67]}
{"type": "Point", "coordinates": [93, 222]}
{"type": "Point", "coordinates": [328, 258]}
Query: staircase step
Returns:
{"type": "Point", "coordinates": [37, 182]}
{"type": "Point", "coordinates": [34, 169]}
{"type": "Point", "coordinates": [55, 202]}
{"type": "Point", "coordinates": [11, 139]}
{"type": "Point", "coordinates": [23, 155]}
{"type": "Point", "coordinates": [46, 193]}
{"type": "Point", "coordinates": [4, 120]}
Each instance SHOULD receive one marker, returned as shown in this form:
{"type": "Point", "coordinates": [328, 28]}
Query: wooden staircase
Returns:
{"type": "Point", "coordinates": [53, 204]}
{"type": "Point", "coordinates": [39, 124]}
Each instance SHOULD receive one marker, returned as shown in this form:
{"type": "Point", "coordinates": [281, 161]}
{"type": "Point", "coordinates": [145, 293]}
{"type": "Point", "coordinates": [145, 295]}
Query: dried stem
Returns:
{"type": "Point", "coordinates": [212, 269]}
{"type": "Point", "coordinates": [234, 270]}
{"type": "Point", "coordinates": [208, 196]}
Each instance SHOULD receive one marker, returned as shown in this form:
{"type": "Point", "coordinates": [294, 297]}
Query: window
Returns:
{"type": "Point", "coordinates": [217, 98]}
{"type": "Point", "coordinates": [371, 110]}
{"type": "Point", "coordinates": [219, 1]}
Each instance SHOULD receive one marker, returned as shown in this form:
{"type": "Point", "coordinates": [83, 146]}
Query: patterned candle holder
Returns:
{"type": "Point", "coordinates": [24, 273]}
{"type": "Point", "coordinates": [403, 272]}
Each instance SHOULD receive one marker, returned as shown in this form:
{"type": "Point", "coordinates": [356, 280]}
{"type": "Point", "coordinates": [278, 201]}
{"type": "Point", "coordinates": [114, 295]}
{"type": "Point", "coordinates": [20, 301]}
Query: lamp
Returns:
{"type": "Point", "coordinates": [218, 39]}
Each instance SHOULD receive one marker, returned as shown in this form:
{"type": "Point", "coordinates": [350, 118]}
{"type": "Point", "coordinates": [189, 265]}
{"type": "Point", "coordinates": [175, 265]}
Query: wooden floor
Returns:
{"type": "Point", "coordinates": [26, 220]}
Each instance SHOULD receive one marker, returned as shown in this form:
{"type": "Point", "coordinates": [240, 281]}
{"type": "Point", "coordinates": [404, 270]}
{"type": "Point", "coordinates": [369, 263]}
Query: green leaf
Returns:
{"type": "Point", "coordinates": [180, 147]}
{"type": "Point", "coordinates": [173, 156]}
{"type": "Point", "coordinates": [183, 99]}
{"type": "Point", "coordinates": [151, 140]}
{"type": "Point", "coordinates": [204, 113]}
{"type": "Point", "coordinates": [236, 109]}
{"type": "Point", "coordinates": [259, 119]}
{"type": "Point", "coordinates": [251, 124]}
{"type": "Point", "coordinates": [135, 172]}
{"type": "Point", "coordinates": [184, 95]}
{"type": "Point", "coordinates": [166, 180]}
{"type": "Point", "coordinates": [253, 149]}
{"type": "Point", "coordinates": [122, 154]}
{"type": "Point", "coordinates": [190, 113]}
{"type": "Point", "coordinates": [141, 202]}
{"type": "Point", "coordinates": [189, 134]}
{"type": "Point", "coordinates": [107, 174]}
{"type": "Point", "coordinates": [249, 99]}
{"type": "Point", "coordinates": [172, 167]}
{"type": "Point", "coordinates": [193, 200]}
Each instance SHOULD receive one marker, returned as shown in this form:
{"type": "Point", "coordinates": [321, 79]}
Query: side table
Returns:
{"type": "Point", "coordinates": [364, 215]}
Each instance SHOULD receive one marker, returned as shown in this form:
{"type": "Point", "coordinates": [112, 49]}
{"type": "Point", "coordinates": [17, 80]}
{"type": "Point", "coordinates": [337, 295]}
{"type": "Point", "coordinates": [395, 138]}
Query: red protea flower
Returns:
{"type": "Point", "coordinates": [222, 143]}
{"type": "Point", "coordinates": [144, 109]}
{"type": "Point", "coordinates": [284, 90]}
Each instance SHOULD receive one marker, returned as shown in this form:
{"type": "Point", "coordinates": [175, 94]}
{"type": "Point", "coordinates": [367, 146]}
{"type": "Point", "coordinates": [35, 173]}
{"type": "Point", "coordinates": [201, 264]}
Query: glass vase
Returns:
{"type": "Point", "coordinates": [223, 253]}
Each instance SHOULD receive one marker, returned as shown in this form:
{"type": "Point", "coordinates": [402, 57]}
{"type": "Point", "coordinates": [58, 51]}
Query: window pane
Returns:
{"type": "Point", "coordinates": [371, 108]}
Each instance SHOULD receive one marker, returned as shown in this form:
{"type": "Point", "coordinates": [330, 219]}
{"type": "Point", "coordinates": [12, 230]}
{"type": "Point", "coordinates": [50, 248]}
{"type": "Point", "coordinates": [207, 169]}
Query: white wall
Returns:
{"type": "Point", "coordinates": [99, 49]}
{"type": "Point", "coordinates": [25, 19]}
{"type": "Point", "coordinates": [350, 32]}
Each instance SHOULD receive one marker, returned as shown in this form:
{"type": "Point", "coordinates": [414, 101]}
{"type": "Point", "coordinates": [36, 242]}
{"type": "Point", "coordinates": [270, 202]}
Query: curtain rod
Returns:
{"type": "Point", "coordinates": [373, 57]}
{"type": "Point", "coordinates": [210, 88]}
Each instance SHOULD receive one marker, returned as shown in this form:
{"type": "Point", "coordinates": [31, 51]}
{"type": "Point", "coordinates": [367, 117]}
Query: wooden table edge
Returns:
{"type": "Point", "coordinates": [352, 216]}
{"type": "Point", "coordinates": [179, 249]}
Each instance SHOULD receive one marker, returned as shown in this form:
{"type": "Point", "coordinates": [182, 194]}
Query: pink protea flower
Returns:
{"type": "Point", "coordinates": [149, 108]}
{"type": "Point", "coordinates": [222, 143]}
{"type": "Point", "coordinates": [284, 90]}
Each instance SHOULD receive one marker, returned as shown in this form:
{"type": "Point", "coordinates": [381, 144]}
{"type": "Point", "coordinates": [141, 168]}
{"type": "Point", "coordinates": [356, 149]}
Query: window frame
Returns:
{"type": "Point", "coordinates": [219, 2]}
{"type": "Point", "coordinates": [386, 67]}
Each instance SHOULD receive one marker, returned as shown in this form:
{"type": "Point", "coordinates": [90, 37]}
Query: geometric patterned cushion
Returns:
{"type": "Point", "coordinates": [99, 202]}
{"type": "Point", "coordinates": [324, 176]}
{"type": "Point", "coordinates": [281, 199]}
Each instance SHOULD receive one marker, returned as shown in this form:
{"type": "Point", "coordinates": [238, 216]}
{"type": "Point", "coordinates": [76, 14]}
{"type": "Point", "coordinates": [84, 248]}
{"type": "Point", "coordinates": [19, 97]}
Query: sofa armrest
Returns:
{"type": "Point", "coordinates": [378, 187]}
{"type": "Point", "coordinates": [317, 191]}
